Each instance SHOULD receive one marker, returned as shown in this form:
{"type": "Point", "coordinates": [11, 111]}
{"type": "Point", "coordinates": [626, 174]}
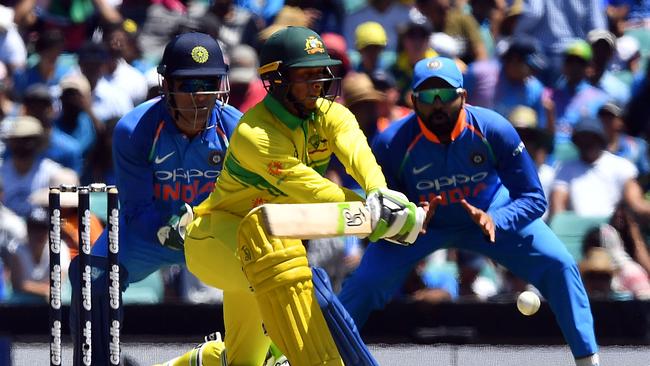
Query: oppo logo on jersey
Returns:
{"type": "Point", "coordinates": [185, 175]}
{"type": "Point", "coordinates": [185, 185]}
{"type": "Point", "coordinates": [453, 188]}
{"type": "Point", "coordinates": [451, 181]}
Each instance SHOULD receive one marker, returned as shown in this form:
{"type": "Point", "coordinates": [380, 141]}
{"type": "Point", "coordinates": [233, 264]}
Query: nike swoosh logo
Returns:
{"type": "Point", "coordinates": [159, 160]}
{"type": "Point", "coordinates": [419, 170]}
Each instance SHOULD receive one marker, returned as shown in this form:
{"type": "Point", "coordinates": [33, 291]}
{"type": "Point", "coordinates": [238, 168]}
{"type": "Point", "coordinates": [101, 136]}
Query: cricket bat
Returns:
{"type": "Point", "coordinates": [316, 220]}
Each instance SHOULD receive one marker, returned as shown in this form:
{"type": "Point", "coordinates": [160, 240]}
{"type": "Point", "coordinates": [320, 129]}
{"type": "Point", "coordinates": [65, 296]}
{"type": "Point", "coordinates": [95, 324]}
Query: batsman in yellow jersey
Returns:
{"type": "Point", "coordinates": [278, 154]}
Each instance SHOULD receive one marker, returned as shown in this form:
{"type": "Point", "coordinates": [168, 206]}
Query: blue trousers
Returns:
{"type": "Point", "coordinates": [533, 253]}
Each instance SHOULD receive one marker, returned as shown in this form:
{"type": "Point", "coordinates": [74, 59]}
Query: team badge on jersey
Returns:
{"type": "Point", "coordinates": [200, 54]}
{"type": "Point", "coordinates": [314, 45]}
{"type": "Point", "coordinates": [215, 157]}
{"type": "Point", "coordinates": [477, 158]}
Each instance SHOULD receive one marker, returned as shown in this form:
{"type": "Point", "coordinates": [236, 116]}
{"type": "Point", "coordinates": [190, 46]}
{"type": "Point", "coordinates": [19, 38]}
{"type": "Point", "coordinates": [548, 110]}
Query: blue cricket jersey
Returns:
{"type": "Point", "coordinates": [486, 163]}
{"type": "Point", "coordinates": [158, 168]}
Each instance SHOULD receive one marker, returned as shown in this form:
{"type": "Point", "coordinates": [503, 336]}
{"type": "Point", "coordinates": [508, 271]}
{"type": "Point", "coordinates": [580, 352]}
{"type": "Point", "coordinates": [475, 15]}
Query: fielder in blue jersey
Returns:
{"type": "Point", "coordinates": [168, 152]}
{"type": "Point", "coordinates": [472, 165]}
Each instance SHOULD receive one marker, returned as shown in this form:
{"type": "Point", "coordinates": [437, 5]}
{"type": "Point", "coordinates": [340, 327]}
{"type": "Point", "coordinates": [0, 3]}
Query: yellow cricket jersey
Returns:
{"type": "Point", "coordinates": [276, 157]}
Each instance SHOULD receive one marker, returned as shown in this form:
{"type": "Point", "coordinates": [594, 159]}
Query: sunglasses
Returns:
{"type": "Point", "coordinates": [198, 85]}
{"type": "Point", "coordinates": [429, 96]}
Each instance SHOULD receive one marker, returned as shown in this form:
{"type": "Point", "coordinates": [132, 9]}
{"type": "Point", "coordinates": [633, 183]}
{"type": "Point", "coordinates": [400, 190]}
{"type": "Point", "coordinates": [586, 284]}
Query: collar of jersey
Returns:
{"type": "Point", "coordinates": [461, 124]}
{"type": "Point", "coordinates": [292, 121]}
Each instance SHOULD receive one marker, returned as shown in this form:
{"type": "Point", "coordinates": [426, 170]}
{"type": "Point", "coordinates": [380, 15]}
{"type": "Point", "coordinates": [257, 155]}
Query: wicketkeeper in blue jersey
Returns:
{"type": "Point", "coordinates": [470, 162]}
{"type": "Point", "coordinates": [168, 152]}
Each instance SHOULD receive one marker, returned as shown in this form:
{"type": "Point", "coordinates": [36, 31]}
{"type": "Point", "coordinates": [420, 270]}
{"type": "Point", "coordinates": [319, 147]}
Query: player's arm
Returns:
{"type": "Point", "coordinates": [351, 147]}
{"type": "Point", "coordinates": [134, 176]}
{"type": "Point", "coordinates": [518, 173]}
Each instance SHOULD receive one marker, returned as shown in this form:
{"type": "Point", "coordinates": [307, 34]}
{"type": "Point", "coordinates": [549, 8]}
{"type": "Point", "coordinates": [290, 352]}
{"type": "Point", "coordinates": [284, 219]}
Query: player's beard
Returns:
{"type": "Point", "coordinates": [440, 123]}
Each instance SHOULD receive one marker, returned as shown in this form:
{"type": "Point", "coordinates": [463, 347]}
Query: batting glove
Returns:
{"type": "Point", "coordinates": [393, 217]}
{"type": "Point", "coordinates": [172, 235]}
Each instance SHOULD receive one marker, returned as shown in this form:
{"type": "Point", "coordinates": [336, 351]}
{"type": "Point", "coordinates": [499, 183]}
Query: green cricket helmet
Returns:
{"type": "Point", "coordinates": [295, 47]}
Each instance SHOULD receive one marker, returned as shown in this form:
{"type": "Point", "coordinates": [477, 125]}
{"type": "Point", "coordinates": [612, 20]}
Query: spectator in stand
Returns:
{"type": "Point", "coordinates": [557, 24]}
{"type": "Point", "coordinates": [573, 96]}
{"type": "Point", "coordinates": [28, 261]}
{"type": "Point", "coordinates": [362, 99]}
{"type": "Point", "coordinates": [391, 14]}
{"type": "Point", "coordinates": [25, 169]}
{"type": "Point", "coordinates": [8, 107]}
{"type": "Point", "coordinates": [597, 272]}
{"type": "Point", "coordinates": [76, 19]}
{"type": "Point", "coordinates": [637, 118]}
{"type": "Point", "coordinates": [162, 21]}
{"type": "Point", "coordinates": [124, 36]}
{"type": "Point", "coordinates": [12, 47]}
{"type": "Point", "coordinates": [370, 43]}
{"type": "Point", "coordinates": [48, 47]}
{"type": "Point", "coordinates": [457, 24]}
{"type": "Point", "coordinates": [594, 184]}
{"type": "Point", "coordinates": [413, 47]}
{"type": "Point", "coordinates": [328, 15]}
{"type": "Point", "coordinates": [235, 24]}
{"type": "Point", "coordinates": [629, 277]}
{"type": "Point", "coordinates": [389, 110]}
{"type": "Point", "coordinates": [246, 88]}
{"type": "Point", "coordinates": [511, 17]}
{"type": "Point", "coordinates": [627, 64]}
{"type": "Point", "coordinates": [489, 14]}
{"type": "Point", "coordinates": [119, 72]}
{"type": "Point", "coordinates": [503, 84]}
{"type": "Point", "coordinates": [108, 100]}
{"type": "Point", "coordinates": [58, 145]}
{"type": "Point", "coordinates": [619, 143]}
{"type": "Point", "coordinates": [77, 118]}
{"type": "Point", "coordinates": [12, 226]}
{"type": "Point", "coordinates": [288, 15]}
{"type": "Point", "coordinates": [629, 228]}
{"type": "Point", "coordinates": [628, 14]}
{"type": "Point", "coordinates": [603, 46]}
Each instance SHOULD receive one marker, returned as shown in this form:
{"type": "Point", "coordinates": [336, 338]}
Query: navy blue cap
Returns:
{"type": "Point", "coordinates": [589, 125]}
{"type": "Point", "coordinates": [440, 67]}
{"type": "Point", "coordinates": [529, 48]}
{"type": "Point", "coordinates": [192, 55]}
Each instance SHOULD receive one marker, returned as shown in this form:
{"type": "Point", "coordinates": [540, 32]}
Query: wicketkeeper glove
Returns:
{"type": "Point", "coordinates": [172, 235]}
{"type": "Point", "coordinates": [393, 217]}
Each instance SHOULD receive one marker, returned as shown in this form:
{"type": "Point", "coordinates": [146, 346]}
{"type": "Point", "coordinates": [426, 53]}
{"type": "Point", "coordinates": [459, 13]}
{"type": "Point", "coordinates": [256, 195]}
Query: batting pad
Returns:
{"type": "Point", "coordinates": [280, 276]}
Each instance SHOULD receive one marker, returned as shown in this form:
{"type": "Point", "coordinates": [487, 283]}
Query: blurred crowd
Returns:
{"type": "Point", "coordinates": [571, 76]}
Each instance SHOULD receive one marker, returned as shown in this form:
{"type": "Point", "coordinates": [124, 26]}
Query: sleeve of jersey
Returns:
{"type": "Point", "coordinates": [518, 174]}
{"type": "Point", "coordinates": [270, 154]}
{"type": "Point", "coordinates": [135, 181]}
{"type": "Point", "coordinates": [350, 146]}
